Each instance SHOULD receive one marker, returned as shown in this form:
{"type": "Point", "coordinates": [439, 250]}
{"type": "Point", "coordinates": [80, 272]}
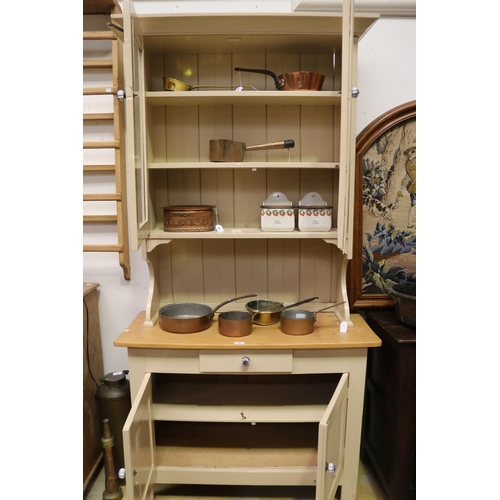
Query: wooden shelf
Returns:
{"type": "Point", "coordinates": [102, 197]}
{"type": "Point", "coordinates": [97, 63]}
{"type": "Point", "coordinates": [103, 248]}
{"type": "Point", "coordinates": [101, 145]}
{"type": "Point", "coordinates": [243, 98]}
{"type": "Point", "coordinates": [242, 165]}
{"type": "Point", "coordinates": [98, 35]}
{"type": "Point", "coordinates": [326, 334]}
{"type": "Point", "coordinates": [242, 233]}
{"type": "Point", "coordinates": [99, 168]}
{"type": "Point", "coordinates": [259, 402]}
{"type": "Point", "coordinates": [295, 32]}
{"type": "Point", "coordinates": [98, 116]}
{"type": "Point", "coordinates": [100, 218]}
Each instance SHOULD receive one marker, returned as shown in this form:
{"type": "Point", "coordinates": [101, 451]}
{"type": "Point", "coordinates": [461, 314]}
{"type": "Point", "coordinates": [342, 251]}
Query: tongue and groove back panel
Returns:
{"type": "Point", "coordinates": [211, 271]}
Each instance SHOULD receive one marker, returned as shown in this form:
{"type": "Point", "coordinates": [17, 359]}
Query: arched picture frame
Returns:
{"type": "Point", "coordinates": [384, 245]}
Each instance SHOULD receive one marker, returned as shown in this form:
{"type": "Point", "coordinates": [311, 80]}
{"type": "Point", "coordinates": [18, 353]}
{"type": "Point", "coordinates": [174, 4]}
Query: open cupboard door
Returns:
{"type": "Point", "coordinates": [138, 445]}
{"type": "Point", "coordinates": [331, 443]}
{"type": "Point", "coordinates": [137, 174]}
{"type": "Point", "coordinates": [348, 130]}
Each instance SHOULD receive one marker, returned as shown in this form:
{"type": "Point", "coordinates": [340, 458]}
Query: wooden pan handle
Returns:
{"type": "Point", "coordinates": [289, 143]}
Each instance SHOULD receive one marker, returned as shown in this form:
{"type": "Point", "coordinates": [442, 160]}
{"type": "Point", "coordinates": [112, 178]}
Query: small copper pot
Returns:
{"type": "Point", "coordinates": [300, 321]}
{"type": "Point", "coordinates": [235, 323]}
{"type": "Point", "coordinates": [297, 322]}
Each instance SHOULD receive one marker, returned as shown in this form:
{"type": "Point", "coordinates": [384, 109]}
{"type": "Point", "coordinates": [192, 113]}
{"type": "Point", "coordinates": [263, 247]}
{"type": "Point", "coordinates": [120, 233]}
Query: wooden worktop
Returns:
{"type": "Point", "coordinates": [326, 335]}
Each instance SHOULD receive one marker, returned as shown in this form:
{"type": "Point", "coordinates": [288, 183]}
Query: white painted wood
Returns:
{"type": "Point", "coordinates": [260, 362]}
{"type": "Point", "coordinates": [139, 445]}
{"type": "Point", "coordinates": [211, 267]}
{"type": "Point", "coordinates": [174, 464]}
{"type": "Point", "coordinates": [330, 443]}
{"type": "Point", "coordinates": [396, 8]}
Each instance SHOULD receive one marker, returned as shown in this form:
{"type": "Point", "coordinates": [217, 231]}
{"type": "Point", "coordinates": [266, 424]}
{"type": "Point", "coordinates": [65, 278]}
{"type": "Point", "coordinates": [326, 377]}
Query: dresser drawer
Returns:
{"type": "Point", "coordinates": [223, 361]}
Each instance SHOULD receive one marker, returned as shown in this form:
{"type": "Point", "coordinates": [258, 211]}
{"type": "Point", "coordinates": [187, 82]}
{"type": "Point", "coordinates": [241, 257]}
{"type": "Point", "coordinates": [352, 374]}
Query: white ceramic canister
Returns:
{"type": "Point", "coordinates": [277, 213]}
{"type": "Point", "coordinates": [314, 214]}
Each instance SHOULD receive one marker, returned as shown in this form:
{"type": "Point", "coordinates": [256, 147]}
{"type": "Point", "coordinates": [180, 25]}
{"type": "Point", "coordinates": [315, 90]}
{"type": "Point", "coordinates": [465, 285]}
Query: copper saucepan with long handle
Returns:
{"type": "Point", "coordinates": [295, 80]}
{"type": "Point", "coordinates": [190, 317]}
{"type": "Point", "coordinates": [234, 151]}
{"type": "Point", "coordinates": [300, 321]}
{"type": "Point", "coordinates": [175, 85]}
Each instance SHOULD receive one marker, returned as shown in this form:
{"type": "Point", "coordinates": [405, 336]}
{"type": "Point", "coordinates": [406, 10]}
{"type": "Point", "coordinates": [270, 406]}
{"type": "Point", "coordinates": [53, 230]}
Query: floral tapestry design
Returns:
{"type": "Point", "coordinates": [389, 209]}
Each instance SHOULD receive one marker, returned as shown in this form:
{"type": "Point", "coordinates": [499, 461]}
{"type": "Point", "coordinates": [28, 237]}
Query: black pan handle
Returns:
{"type": "Point", "coordinates": [231, 300]}
{"type": "Point", "coordinates": [280, 82]}
{"type": "Point", "coordinates": [301, 302]}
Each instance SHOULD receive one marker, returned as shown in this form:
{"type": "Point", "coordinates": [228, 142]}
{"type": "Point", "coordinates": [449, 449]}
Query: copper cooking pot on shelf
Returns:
{"type": "Point", "coordinates": [235, 323]}
{"type": "Point", "coordinates": [300, 321]}
{"type": "Point", "coordinates": [174, 85]}
{"type": "Point", "coordinates": [296, 80]}
{"type": "Point", "coordinates": [234, 151]}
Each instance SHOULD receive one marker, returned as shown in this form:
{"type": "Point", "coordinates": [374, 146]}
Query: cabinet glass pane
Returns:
{"type": "Point", "coordinates": [139, 160]}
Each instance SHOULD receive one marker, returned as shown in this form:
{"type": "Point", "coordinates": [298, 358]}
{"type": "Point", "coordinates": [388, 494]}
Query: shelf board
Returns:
{"type": "Point", "coordinates": [101, 145]}
{"type": "Point", "coordinates": [242, 165]}
{"type": "Point", "coordinates": [97, 63]}
{"type": "Point", "coordinates": [102, 197]}
{"type": "Point", "coordinates": [99, 168]}
{"type": "Point", "coordinates": [243, 98]}
{"type": "Point", "coordinates": [99, 35]}
{"type": "Point", "coordinates": [103, 248]}
{"type": "Point", "coordinates": [261, 402]}
{"type": "Point", "coordinates": [296, 32]}
{"type": "Point", "coordinates": [158, 236]}
{"type": "Point", "coordinates": [237, 445]}
{"type": "Point", "coordinates": [98, 116]}
{"type": "Point", "coordinates": [236, 233]}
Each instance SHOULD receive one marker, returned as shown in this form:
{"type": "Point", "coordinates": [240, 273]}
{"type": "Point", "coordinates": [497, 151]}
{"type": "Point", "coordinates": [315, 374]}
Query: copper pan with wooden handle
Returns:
{"type": "Point", "coordinates": [234, 151]}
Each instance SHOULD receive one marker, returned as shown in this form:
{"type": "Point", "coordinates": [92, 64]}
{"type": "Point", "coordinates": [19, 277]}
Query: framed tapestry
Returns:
{"type": "Point", "coordinates": [385, 228]}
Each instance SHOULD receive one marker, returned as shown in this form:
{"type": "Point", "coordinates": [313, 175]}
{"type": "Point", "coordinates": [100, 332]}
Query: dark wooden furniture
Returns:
{"type": "Point", "coordinates": [388, 437]}
{"type": "Point", "coordinates": [92, 371]}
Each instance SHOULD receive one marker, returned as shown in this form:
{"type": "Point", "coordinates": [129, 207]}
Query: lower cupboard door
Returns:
{"type": "Point", "coordinates": [138, 445]}
{"type": "Point", "coordinates": [331, 439]}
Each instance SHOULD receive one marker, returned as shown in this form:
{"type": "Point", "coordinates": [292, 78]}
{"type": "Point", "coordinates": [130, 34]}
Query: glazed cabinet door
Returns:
{"type": "Point", "coordinates": [347, 131]}
{"type": "Point", "coordinates": [331, 443]}
{"type": "Point", "coordinates": [137, 174]}
{"type": "Point", "coordinates": [139, 445]}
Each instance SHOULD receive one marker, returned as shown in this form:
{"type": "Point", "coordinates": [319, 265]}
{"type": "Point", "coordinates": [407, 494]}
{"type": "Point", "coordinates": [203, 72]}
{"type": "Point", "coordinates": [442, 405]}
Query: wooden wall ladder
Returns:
{"type": "Point", "coordinates": [117, 144]}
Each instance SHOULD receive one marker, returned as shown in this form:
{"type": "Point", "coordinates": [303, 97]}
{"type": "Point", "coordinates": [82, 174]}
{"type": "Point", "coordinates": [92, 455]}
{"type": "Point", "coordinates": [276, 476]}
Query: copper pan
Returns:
{"type": "Point", "coordinates": [300, 321]}
{"type": "Point", "coordinates": [267, 312]}
{"type": "Point", "coordinates": [227, 150]}
{"type": "Point", "coordinates": [190, 317]}
{"type": "Point", "coordinates": [296, 80]}
{"type": "Point", "coordinates": [175, 85]}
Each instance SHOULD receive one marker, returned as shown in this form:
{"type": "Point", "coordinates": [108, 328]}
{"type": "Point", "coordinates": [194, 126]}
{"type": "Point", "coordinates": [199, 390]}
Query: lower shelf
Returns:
{"type": "Point", "coordinates": [274, 398]}
{"type": "Point", "coordinates": [236, 453]}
